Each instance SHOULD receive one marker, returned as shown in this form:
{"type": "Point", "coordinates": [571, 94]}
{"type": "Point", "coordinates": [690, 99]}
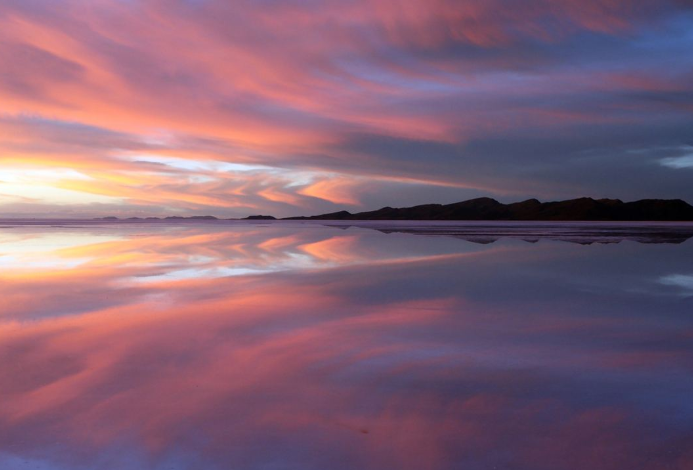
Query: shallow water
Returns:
{"type": "Point", "coordinates": [304, 346]}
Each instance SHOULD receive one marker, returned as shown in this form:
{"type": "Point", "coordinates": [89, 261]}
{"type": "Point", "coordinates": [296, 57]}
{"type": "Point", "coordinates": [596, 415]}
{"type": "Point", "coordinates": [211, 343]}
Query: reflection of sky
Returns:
{"type": "Point", "coordinates": [166, 349]}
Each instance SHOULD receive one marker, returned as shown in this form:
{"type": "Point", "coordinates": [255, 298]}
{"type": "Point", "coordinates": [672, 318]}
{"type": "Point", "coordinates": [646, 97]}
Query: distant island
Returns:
{"type": "Point", "coordinates": [178, 217]}
{"type": "Point", "coordinates": [582, 209]}
{"type": "Point", "coordinates": [173, 217]}
{"type": "Point", "coordinates": [260, 217]}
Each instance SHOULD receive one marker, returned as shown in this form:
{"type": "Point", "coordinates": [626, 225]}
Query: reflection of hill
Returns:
{"type": "Point", "coordinates": [574, 233]}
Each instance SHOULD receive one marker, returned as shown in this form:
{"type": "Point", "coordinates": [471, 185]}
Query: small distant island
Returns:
{"type": "Point", "coordinates": [260, 217]}
{"type": "Point", "coordinates": [178, 217]}
{"type": "Point", "coordinates": [582, 209]}
{"type": "Point", "coordinates": [173, 217]}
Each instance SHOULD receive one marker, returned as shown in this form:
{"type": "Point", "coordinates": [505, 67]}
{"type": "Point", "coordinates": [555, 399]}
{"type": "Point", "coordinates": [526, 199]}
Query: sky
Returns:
{"type": "Point", "coordinates": [240, 107]}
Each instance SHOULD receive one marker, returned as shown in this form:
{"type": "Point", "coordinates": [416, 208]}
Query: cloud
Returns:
{"type": "Point", "coordinates": [308, 88]}
{"type": "Point", "coordinates": [684, 161]}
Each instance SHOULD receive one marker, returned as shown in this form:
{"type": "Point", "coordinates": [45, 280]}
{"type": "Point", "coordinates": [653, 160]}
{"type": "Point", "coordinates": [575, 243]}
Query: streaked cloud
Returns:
{"type": "Point", "coordinates": [309, 106]}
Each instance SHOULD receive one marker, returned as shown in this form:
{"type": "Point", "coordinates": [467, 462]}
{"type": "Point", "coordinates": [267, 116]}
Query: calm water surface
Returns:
{"type": "Point", "coordinates": [300, 346]}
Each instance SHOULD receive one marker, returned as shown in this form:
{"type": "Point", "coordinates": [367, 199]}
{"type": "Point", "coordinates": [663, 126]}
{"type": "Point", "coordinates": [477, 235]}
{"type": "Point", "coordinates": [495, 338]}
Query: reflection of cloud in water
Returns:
{"type": "Point", "coordinates": [684, 281]}
{"type": "Point", "coordinates": [41, 249]}
{"type": "Point", "coordinates": [357, 349]}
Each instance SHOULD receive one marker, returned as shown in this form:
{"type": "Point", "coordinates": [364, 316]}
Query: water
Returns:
{"type": "Point", "coordinates": [302, 346]}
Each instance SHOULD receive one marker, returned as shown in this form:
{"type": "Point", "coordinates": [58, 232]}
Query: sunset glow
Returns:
{"type": "Point", "coordinates": [160, 107]}
{"type": "Point", "coordinates": [346, 234]}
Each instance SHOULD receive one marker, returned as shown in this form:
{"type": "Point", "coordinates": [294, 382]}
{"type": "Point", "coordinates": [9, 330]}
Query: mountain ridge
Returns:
{"type": "Point", "coordinates": [485, 208]}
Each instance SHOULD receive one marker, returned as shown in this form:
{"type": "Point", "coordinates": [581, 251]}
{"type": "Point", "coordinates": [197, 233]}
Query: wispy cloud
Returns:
{"type": "Point", "coordinates": [352, 100]}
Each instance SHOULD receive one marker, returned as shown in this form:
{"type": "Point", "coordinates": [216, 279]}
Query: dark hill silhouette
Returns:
{"type": "Point", "coordinates": [259, 217]}
{"type": "Point", "coordinates": [583, 209]}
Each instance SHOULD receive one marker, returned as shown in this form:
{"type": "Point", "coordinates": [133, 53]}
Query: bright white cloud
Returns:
{"type": "Point", "coordinates": [683, 281]}
{"type": "Point", "coordinates": [37, 185]}
{"type": "Point", "coordinates": [684, 161]}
